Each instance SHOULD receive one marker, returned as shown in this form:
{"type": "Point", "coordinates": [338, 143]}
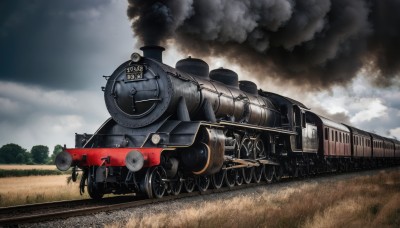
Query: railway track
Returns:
{"type": "Point", "coordinates": [31, 213]}
{"type": "Point", "coordinates": [63, 209]}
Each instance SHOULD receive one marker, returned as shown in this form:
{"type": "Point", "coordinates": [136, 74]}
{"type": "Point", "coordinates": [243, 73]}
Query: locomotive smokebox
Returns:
{"type": "Point", "coordinates": [153, 52]}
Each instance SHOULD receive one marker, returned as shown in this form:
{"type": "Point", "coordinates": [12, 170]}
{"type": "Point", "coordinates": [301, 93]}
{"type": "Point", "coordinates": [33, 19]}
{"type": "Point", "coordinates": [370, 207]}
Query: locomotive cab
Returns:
{"type": "Point", "coordinates": [294, 117]}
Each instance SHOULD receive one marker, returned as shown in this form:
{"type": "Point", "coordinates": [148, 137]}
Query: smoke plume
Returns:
{"type": "Point", "coordinates": [313, 43]}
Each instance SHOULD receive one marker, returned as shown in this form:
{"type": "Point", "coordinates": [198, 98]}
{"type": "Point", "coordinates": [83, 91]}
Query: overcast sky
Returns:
{"type": "Point", "coordinates": [53, 55]}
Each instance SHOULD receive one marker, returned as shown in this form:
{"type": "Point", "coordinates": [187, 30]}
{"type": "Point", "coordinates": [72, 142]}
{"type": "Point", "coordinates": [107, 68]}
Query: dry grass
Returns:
{"type": "Point", "coordinates": [37, 189]}
{"type": "Point", "coordinates": [369, 201]}
{"type": "Point", "coordinates": [28, 167]}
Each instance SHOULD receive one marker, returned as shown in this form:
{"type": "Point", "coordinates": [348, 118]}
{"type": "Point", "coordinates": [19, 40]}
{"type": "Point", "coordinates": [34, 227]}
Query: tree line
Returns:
{"type": "Point", "coordinates": [14, 154]}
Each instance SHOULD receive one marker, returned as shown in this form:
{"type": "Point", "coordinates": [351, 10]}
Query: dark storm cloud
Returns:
{"type": "Point", "coordinates": [318, 42]}
{"type": "Point", "coordinates": [384, 44]}
{"type": "Point", "coordinates": [55, 44]}
{"type": "Point", "coordinates": [52, 56]}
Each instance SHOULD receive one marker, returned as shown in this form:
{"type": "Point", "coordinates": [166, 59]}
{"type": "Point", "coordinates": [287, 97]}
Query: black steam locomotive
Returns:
{"type": "Point", "coordinates": [174, 129]}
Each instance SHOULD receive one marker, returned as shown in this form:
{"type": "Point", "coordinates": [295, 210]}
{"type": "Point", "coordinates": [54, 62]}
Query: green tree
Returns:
{"type": "Point", "coordinates": [57, 149]}
{"type": "Point", "coordinates": [40, 154]}
{"type": "Point", "coordinates": [13, 154]}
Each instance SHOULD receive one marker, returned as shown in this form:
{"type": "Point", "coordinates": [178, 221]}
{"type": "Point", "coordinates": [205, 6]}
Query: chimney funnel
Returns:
{"type": "Point", "coordinates": [153, 52]}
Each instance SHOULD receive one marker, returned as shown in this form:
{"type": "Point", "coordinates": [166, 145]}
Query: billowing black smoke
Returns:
{"type": "Point", "coordinates": [319, 42]}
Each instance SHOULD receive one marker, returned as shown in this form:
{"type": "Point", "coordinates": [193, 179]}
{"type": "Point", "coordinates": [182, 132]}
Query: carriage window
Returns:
{"type": "Point", "coordinates": [296, 116]}
{"type": "Point", "coordinates": [333, 136]}
{"type": "Point", "coordinates": [336, 138]}
{"type": "Point", "coordinates": [285, 118]}
{"type": "Point", "coordinates": [326, 133]}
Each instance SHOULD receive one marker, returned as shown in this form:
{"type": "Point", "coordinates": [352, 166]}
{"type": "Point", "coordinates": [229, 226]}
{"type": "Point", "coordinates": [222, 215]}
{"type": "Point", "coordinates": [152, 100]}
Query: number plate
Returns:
{"type": "Point", "coordinates": [134, 72]}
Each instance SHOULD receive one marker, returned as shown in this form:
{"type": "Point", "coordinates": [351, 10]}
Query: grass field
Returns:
{"type": "Point", "coordinates": [369, 201]}
{"type": "Point", "coordinates": [37, 189]}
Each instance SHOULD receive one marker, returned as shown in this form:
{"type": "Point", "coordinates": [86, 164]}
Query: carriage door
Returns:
{"type": "Point", "coordinates": [326, 141]}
